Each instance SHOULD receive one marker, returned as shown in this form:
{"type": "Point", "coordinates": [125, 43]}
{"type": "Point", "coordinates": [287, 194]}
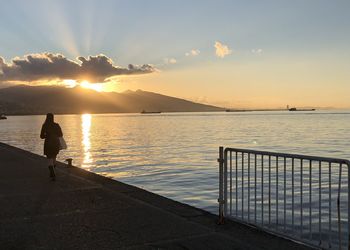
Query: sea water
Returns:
{"type": "Point", "coordinates": [175, 154]}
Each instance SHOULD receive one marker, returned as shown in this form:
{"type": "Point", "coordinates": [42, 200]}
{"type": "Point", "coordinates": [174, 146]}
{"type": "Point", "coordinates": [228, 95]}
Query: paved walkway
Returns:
{"type": "Point", "coordinates": [82, 210]}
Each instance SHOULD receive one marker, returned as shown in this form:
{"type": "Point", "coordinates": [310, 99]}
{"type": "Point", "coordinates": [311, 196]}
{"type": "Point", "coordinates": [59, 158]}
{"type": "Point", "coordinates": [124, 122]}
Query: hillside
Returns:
{"type": "Point", "coordinates": [23, 100]}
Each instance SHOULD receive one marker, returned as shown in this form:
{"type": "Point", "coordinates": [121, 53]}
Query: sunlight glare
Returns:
{"type": "Point", "coordinates": [70, 83]}
{"type": "Point", "coordinates": [86, 125]}
{"type": "Point", "coordinates": [94, 86]}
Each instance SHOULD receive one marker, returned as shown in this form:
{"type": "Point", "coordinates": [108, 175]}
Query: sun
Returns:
{"type": "Point", "coordinates": [94, 86]}
{"type": "Point", "coordinates": [99, 87]}
{"type": "Point", "coordinates": [84, 84]}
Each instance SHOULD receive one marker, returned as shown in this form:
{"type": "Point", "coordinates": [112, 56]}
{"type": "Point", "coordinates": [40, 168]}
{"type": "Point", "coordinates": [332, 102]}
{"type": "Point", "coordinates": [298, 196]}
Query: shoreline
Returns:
{"type": "Point", "coordinates": [108, 113]}
{"type": "Point", "coordinates": [330, 111]}
{"type": "Point", "coordinates": [176, 112]}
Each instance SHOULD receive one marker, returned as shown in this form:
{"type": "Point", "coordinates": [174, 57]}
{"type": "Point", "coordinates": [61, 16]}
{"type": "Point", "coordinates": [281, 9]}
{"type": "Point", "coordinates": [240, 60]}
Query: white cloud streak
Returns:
{"type": "Point", "coordinates": [257, 51]}
{"type": "Point", "coordinates": [193, 52]}
{"type": "Point", "coordinates": [221, 50]}
{"type": "Point", "coordinates": [170, 61]}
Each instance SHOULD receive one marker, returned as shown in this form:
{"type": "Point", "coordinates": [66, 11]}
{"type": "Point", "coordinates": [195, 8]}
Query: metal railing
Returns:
{"type": "Point", "coordinates": [305, 198]}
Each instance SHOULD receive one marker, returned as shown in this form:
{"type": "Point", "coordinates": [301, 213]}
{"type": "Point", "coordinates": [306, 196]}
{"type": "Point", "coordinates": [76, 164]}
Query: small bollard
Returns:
{"type": "Point", "coordinates": [69, 161]}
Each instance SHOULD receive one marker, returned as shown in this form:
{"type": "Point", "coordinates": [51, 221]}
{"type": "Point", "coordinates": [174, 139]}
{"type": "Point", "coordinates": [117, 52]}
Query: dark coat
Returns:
{"type": "Point", "coordinates": [51, 132]}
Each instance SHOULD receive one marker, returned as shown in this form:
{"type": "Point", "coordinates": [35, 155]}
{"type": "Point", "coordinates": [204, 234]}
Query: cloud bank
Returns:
{"type": "Point", "coordinates": [48, 66]}
{"type": "Point", "coordinates": [221, 50]}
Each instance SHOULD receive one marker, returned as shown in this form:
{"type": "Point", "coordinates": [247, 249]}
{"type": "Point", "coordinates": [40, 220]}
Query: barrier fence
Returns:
{"type": "Point", "coordinates": [305, 198]}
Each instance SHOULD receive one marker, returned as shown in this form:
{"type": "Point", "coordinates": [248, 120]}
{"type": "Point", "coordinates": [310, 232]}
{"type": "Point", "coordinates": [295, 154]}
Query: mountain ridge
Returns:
{"type": "Point", "coordinates": [33, 100]}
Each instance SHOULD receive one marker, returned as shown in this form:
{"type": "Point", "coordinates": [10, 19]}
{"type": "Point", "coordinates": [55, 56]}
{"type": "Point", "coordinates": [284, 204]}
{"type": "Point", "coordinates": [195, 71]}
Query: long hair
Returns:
{"type": "Point", "coordinates": [49, 119]}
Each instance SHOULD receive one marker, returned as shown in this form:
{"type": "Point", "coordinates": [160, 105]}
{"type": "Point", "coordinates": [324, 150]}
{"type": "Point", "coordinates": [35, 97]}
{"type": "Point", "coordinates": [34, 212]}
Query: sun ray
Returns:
{"type": "Point", "coordinates": [60, 24]}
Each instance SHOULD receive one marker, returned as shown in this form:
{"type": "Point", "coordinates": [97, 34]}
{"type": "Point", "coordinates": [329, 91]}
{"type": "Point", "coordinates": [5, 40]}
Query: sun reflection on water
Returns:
{"type": "Point", "coordinates": [86, 126]}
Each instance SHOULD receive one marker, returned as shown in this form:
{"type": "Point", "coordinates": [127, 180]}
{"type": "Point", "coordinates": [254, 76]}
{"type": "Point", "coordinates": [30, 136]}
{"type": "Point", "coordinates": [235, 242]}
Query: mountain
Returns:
{"type": "Point", "coordinates": [25, 100]}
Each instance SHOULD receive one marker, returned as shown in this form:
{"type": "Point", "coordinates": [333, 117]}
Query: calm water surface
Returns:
{"type": "Point", "coordinates": [175, 154]}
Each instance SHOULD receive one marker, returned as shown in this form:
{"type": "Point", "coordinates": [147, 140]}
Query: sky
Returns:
{"type": "Point", "coordinates": [234, 53]}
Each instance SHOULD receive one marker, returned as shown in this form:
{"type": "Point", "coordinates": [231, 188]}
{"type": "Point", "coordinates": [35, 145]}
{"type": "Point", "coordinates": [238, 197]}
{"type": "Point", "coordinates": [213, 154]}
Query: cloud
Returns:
{"type": "Point", "coordinates": [257, 51]}
{"type": "Point", "coordinates": [222, 50]}
{"type": "Point", "coordinates": [2, 64]}
{"type": "Point", "coordinates": [48, 66]}
{"type": "Point", "coordinates": [193, 52]}
{"type": "Point", "coordinates": [170, 60]}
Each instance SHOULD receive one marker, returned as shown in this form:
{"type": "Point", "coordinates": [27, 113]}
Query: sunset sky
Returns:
{"type": "Point", "coordinates": [228, 53]}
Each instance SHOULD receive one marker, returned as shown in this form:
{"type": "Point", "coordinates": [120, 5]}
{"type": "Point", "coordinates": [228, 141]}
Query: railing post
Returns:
{"type": "Point", "coordinates": [348, 183]}
{"type": "Point", "coordinates": [221, 185]}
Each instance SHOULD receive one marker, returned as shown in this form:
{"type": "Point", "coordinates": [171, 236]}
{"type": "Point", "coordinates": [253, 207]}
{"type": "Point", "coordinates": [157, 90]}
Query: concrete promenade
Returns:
{"type": "Point", "coordinates": [82, 210]}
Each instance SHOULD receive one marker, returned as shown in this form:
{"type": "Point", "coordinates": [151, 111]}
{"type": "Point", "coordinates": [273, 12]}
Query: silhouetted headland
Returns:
{"type": "Point", "coordinates": [31, 100]}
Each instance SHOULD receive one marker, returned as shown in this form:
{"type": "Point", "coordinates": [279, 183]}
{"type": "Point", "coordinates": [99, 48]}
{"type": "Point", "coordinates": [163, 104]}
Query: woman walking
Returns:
{"type": "Point", "coordinates": [51, 132]}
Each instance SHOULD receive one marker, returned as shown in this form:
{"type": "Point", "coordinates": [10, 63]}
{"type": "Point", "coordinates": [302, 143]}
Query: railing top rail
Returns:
{"type": "Point", "coordinates": [295, 156]}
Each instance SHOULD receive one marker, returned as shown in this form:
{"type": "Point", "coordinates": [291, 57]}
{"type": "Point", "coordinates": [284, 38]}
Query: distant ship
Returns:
{"type": "Point", "coordinates": [150, 112]}
{"type": "Point", "coordinates": [3, 117]}
{"type": "Point", "coordinates": [295, 109]}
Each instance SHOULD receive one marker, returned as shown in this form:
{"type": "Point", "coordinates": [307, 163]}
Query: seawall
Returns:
{"type": "Point", "coordinates": [82, 210]}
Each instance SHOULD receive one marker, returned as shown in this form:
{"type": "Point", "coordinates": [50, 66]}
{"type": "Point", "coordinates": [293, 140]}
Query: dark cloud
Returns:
{"type": "Point", "coordinates": [46, 66]}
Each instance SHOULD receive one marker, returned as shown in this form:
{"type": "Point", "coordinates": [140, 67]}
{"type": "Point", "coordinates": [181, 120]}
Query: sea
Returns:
{"type": "Point", "coordinates": [175, 154]}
